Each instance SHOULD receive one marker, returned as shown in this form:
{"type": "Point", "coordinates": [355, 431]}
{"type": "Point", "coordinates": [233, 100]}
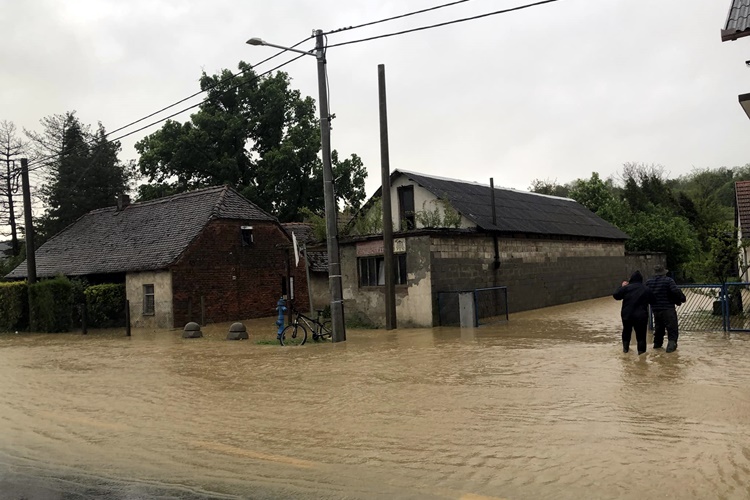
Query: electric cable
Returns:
{"type": "Point", "coordinates": [234, 75]}
{"type": "Point", "coordinates": [348, 28]}
{"type": "Point", "coordinates": [438, 25]}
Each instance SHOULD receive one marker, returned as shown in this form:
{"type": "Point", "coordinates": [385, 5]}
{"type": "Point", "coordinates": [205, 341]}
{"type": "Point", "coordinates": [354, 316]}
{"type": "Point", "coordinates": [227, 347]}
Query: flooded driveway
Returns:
{"type": "Point", "coordinates": [546, 406]}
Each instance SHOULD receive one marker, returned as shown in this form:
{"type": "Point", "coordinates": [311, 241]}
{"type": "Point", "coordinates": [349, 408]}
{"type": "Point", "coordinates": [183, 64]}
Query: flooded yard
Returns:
{"type": "Point", "coordinates": [545, 406]}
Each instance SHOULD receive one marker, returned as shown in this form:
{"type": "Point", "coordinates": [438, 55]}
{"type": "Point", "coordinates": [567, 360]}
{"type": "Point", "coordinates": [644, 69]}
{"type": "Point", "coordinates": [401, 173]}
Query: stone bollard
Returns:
{"type": "Point", "coordinates": [237, 332]}
{"type": "Point", "coordinates": [192, 331]}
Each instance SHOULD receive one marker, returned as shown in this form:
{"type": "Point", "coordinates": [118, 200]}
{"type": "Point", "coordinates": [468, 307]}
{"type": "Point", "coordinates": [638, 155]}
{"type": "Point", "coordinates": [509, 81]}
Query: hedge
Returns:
{"type": "Point", "coordinates": [106, 305]}
{"type": "Point", "coordinates": [51, 305]}
{"type": "Point", "coordinates": [14, 306]}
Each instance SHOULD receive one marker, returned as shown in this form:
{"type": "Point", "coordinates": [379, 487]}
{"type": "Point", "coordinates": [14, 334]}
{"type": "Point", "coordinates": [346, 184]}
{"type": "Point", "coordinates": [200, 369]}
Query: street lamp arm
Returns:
{"type": "Point", "coordinates": [260, 41]}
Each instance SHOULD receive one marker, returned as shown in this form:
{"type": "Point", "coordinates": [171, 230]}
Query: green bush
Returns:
{"type": "Point", "coordinates": [14, 306]}
{"type": "Point", "coordinates": [51, 305]}
{"type": "Point", "coordinates": [106, 305]}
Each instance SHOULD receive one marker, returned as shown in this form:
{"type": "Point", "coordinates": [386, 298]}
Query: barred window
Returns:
{"type": "Point", "coordinates": [148, 300]}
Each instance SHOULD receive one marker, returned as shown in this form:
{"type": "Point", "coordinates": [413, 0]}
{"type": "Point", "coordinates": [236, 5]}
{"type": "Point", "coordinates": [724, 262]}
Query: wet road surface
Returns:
{"type": "Point", "coordinates": [545, 406]}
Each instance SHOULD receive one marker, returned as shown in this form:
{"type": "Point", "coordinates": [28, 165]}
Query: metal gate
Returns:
{"type": "Point", "coordinates": [715, 307]}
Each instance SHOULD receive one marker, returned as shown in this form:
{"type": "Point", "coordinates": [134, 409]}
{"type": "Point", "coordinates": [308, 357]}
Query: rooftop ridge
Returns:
{"type": "Point", "coordinates": [407, 172]}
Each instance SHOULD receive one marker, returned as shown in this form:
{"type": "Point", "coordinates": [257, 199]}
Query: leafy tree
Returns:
{"type": "Point", "coordinates": [593, 194]}
{"type": "Point", "coordinates": [550, 187]}
{"type": "Point", "coordinates": [82, 171]}
{"type": "Point", "coordinates": [256, 134]}
{"type": "Point", "coordinates": [662, 231]}
{"type": "Point", "coordinates": [12, 148]}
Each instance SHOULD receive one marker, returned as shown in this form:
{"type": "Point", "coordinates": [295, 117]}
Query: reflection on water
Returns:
{"type": "Point", "coordinates": [546, 406]}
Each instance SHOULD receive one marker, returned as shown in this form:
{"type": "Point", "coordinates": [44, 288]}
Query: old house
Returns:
{"type": "Point", "coordinates": [742, 222]}
{"type": "Point", "coordinates": [737, 26]}
{"type": "Point", "coordinates": [209, 253]}
{"type": "Point", "coordinates": [310, 247]}
{"type": "Point", "coordinates": [546, 250]}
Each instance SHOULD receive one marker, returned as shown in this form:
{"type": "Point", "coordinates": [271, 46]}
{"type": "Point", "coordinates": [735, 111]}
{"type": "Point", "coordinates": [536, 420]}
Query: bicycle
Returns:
{"type": "Point", "coordinates": [296, 333]}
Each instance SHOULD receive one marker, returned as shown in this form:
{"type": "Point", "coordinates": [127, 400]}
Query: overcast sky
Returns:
{"type": "Point", "coordinates": [551, 92]}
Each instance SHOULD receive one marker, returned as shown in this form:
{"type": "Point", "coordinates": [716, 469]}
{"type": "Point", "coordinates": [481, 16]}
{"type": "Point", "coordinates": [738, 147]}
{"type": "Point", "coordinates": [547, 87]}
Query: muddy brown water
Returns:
{"type": "Point", "coordinates": [545, 406]}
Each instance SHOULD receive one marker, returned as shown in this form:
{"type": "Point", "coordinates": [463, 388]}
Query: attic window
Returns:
{"type": "Point", "coordinates": [406, 207]}
{"type": "Point", "coordinates": [247, 236]}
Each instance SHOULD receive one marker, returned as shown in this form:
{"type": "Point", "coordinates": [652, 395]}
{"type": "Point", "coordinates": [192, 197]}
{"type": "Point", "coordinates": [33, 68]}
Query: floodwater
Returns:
{"type": "Point", "coordinates": [545, 406]}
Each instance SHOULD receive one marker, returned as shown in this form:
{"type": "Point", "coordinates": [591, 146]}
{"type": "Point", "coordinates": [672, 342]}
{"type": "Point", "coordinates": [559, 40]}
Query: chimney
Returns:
{"type": "Point", "coordinates": [122, 201]}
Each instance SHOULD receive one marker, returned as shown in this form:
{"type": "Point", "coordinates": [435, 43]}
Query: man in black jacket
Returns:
{"type": "Point", "coordinates": [636, 298]}
{"type": "Point", "coordinates": [666, 294]}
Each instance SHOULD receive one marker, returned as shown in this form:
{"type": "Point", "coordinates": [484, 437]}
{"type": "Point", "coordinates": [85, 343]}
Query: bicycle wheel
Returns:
{"type": "Point", "coordinates": [326, 332]}
{"type": "Point", "coordinates": [293, 335]}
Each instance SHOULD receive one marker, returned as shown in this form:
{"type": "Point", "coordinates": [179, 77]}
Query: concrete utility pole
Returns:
{"type": "Point", "coordinates": [385, 170]}
{"type": "Point", "coordinates": [30, 254]}
{"type": "Point", "coordinates": [331, 207]}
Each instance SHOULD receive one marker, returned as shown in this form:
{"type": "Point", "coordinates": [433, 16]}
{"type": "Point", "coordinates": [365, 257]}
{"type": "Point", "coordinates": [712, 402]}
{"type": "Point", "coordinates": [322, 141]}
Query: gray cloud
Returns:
{"type": "Point", "coordinates": [556, 92]}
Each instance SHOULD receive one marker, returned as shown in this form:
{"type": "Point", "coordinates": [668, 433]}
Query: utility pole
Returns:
{"type": "Point", "coordinates": [385, 171]}
{"type": "Point", "coordinates": [331, 207]}
{"type": "Point", "coordinates": [30, 253]}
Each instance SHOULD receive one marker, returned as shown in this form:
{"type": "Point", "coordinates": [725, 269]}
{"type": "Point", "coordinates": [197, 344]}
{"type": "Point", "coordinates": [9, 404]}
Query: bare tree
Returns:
{"type": "Point", "coordinates": [12, 148]}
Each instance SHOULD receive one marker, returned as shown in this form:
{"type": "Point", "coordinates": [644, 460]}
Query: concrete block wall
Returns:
{"type": "Point", "coordinates": [538, 272]}
{"type": "Point", "coordinates": [237, 282]}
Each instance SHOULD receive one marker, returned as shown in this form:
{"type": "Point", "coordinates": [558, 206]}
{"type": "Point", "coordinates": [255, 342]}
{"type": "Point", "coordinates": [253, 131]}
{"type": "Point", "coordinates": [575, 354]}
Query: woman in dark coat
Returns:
{"type": "Point", "coordinates": [636, 298]}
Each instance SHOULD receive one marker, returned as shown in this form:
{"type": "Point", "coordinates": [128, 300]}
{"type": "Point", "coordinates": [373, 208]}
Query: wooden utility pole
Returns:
{"type": "Point", "coordinates": [30, 255]}
{"type": "Point", "coordinates": [385, 170]}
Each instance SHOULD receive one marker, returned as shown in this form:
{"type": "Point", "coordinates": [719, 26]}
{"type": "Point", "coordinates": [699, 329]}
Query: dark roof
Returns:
{"type": "Point", "coordinates": [305, 234]}
{"type": "Point", "coordinates": [141, 237]}
{"type": "Point", "coordinates": [738, 21]}
{"type": "Point", "coordinates": [517, 211]}
{"type": "Point", "coordinates": [742, 193]}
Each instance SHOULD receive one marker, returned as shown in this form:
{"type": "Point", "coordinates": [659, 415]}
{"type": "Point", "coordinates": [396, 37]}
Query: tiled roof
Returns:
{"type": "Point", "coordinates": [742, 194]}
{"type": "Point", "coordinates": [738, 21]}
{"type": "Point", "coordinates": [518, 211]}
{"type": "Point", "coordinates": [143, 236]}
{"type": "Point", "coordinates": [305, 234]}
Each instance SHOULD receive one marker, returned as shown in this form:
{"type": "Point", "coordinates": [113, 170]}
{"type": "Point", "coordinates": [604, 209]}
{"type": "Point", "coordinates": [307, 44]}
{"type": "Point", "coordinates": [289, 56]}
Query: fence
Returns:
{"type": "Point", "coordinates": [715, 307]}
{"type": "Point", "coordinates": [477, 307]}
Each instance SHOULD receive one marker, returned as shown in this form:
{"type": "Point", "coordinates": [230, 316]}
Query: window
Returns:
{"type": "Point", "coordinates": [148, 300]}
{"type": "Point", "coordinates": [372, 270]}
{"type": "Point", "coordinates": [247, 236]}
{"type": "Point", "coordinates": [406, 207]}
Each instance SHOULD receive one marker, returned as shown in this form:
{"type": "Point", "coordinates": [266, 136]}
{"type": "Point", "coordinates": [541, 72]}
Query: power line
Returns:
{"type": "Point", "coordinates": [348, 28]}
{"type": "Point", "coordinates": [206, 99]}
{"type": "Point", "coordinates": [39, 162]}
{"type": "Point", "coordinates": [234, 75]}
{"type": "Point", "coordinates": [455, 21]}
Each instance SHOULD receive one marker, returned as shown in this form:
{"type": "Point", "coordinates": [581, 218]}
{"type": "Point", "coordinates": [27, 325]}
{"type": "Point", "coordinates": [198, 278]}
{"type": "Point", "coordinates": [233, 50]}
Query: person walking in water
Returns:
{"type": "Point", "coordinates": [636, 298]}
{"type": "Point", "coordinates": [666, 295]}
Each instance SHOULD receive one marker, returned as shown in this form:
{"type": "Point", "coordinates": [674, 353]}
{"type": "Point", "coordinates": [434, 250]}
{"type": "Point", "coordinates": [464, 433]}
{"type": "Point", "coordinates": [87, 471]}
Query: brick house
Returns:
{"type": "Point", "coordinates": [547, 250]}
{"type": "Point", "coordinates": [209, 253]}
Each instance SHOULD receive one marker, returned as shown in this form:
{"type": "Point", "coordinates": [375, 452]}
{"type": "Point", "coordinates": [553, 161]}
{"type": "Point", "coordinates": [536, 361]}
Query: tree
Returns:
{"type": "Point", "coordinates": [550, 187]}
{"type": "Point", "coordinates": [82, 171]}
{"type": "Point", "coordinates": [256, 134]}
{"type": "Point", "coordinates": [12, 148]}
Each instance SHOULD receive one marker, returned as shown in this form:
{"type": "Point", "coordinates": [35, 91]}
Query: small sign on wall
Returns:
{"type": "Point", "coordinates": [368, 248]}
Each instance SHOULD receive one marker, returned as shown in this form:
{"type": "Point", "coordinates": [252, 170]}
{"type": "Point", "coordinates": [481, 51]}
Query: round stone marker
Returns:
{"type": "Point", "coordinates": [237, 332]}
{"type": "Point", "coordinates": [192, 331]}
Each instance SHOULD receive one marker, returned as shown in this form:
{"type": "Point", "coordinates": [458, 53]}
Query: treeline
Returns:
{"type": "Point", "coordinates": [254, 133]}
{"type": "Point", "coordinates": [690, 218]}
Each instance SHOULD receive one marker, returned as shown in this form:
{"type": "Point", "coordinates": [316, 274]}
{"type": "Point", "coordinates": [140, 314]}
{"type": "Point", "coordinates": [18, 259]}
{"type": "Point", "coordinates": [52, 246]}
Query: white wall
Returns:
{"type": "Point", "coordinates": [163, 316]}
{"type": "Point", "coordinates": [423, 200]}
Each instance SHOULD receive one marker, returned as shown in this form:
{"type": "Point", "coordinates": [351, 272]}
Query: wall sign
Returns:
{"type": "Point", "coordinates": [368, 248]}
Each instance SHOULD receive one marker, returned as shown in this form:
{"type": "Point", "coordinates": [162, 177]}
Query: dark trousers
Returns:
{"type": "Point", "coordinates": [640, 326]}
{"type": "Point", "coordinates": [665, 320]}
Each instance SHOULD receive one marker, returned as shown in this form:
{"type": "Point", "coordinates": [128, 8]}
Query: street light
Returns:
{"type": "Point", "coordinates": [331, 208]}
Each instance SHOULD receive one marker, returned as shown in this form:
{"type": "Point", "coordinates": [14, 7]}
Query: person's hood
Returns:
{"type": "Point", "coordinates": [636, 277]}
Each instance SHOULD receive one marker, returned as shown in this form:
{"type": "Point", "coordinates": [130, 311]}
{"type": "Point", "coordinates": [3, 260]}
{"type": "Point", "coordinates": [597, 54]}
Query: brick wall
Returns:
{"type": "Point", "coordinates": [237, 282]}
